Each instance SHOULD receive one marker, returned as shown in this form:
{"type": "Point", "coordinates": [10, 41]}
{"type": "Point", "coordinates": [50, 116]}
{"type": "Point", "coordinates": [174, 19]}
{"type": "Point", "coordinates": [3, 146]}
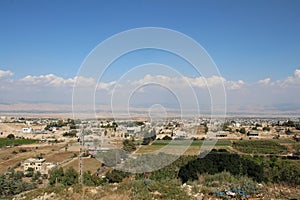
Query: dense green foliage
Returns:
{"type": "Point", "coordinates": [15, 142]}
{"type": "Point", "coordinates": [92, 179]}
{"type": "Point", "coordinates": [171, 171]}
{"type": "Point", "coordinates": [116, 176]}
{"type": "Point", "coordinates": [71, 133]}
{"type": "Point", "coordinates": [11, 136]}
{"type": "Point", "coordinates": [243, 130]}
{"type": "Point", "coordinates": [219, 161]}
{"type": "Point", "coordinates": [128, 145]}
{"type": "Point", "coordinates": [136, 123]}
{"type": "Point", "coordinates": [166, 138]}
{"type": "Point", "coordinates": [289, 123]}
{"type": "Point", "coordinates": [148, 136]}
{"type": "Point", "coordinates": [259, 146]}
{"type": "Point", "coordinates": [67, 178]}
{"type": "Point", "coordinates": [225, 126]}
{"type": "Point", "coordinates": [13, 184]}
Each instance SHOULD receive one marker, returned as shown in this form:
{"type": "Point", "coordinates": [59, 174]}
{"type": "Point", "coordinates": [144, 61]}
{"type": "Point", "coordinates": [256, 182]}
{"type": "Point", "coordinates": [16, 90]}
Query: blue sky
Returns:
{"type": "Point", "coordinates": [251, 41]}
{"type": "Point", "coordinates": [242, 37]}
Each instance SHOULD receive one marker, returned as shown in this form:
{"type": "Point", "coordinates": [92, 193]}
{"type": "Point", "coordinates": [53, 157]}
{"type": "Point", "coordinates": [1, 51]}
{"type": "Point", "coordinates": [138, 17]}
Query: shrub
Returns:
{"type": "Point", "coordinates": [128, 145]}
{"type": "Point", "coordinates": [116, 176]}
{"type": "Point", "coordinates": [11, 136]}
{"type": "Point", "coordinates": [167, 138]}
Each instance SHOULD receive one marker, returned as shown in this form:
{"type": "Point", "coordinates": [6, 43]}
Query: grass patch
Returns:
{"type": "Point", "coordinates": [193, 148]}
{"type": "Point", "coordinates": [16, 142]}
{"type": "Point", "coordinates": [194, 143]}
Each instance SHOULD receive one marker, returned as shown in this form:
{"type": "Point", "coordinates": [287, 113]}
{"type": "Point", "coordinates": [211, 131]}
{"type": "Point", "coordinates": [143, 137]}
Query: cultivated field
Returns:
{"type": "Point", "coordinates": [10, 157]}
{"type": "Point", "coordinates": [193, 149]}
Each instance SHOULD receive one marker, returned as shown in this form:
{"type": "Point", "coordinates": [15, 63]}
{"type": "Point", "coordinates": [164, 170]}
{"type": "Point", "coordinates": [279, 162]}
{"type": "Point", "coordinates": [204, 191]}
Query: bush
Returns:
{"type": "Point", "coordinates": [11, 136]}
{"type": "Point", "coordinates": [92, 180]}
{"type": "Point", "coordinates": [72, 133]}
{"type": "Point", "coordinates": [70, 177]}
{"type": "Point", "coordinates": [22, 150]}
{"type": "Point", "coordinates": [56, 176]}
{"type": "Point", "coordinates": [150, 189]}
{"type": "Point", "coordinates": [128, 145]}
{"type": "Point", "coordinates": [10, 187]}
{"type": "Point", "coordinates": [116, 176]}
{"type": "Point", "coordinates": [243, 130]}
{"type": "Point", "coordinates": [167, 138]}
{"type": "Point", "coordinates": [29, 172]}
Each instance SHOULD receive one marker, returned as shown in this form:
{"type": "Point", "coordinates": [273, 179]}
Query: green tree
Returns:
{"type": "Point", "coordinates": [70, 177]}
{"type": "Point", "coordinates": [288, 132]}
{"type": "Point", "coordinates": [128, 145]}
{"type": "Point", "coordinates": [243, 130]}
{"type": "Point", "coordinates": [36, 176]}
{"type": "Point", "coordinates": [166, 137]}
{"type": "Point", "coordinates": [289, 123]}
{"type": "Point", "coordinates": [91, 179]}
{"type": "Point", "coordinates": [11, 136]}
{"type": "Point", "coordinates": [56, 176]}
{"type": "Point", "coordinates": [29, 172]}
{"type": "Point", "coordinates": [149, 136]}
{"type": "Point", "coordinates": [116, 176]}
{"type": "Point", "coordinates": [225, 126]}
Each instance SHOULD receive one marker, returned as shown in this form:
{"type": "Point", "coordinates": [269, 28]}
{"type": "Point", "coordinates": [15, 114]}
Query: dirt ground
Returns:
{"type": "Point", "coordinates": [52, 153]}
{"type": "Point", "coordinates": [89, 164]}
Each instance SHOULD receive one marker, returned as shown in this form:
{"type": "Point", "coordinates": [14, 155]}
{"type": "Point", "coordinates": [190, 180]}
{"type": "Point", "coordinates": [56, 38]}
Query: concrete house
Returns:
{"type": "Point", "coordinates": [38, 165]}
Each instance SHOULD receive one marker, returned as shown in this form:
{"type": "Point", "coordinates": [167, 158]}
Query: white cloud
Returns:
{"type": "Point", "coordinates": [297, 73]}
{"type": "Point", "coordinates": [265, 81]}
{"type": "Point", "coordinates": [106, 86]}
{"type": "Point", "coordinates": [197, 82]}
{"type": "Point", "coordinates": [290, 81]}
{"type": "Point", "coordinates": [56, 81]}
{"type": "Point", "coordinates": [234, 85]}
{"type": "Point", "coordinates": [5, 73]}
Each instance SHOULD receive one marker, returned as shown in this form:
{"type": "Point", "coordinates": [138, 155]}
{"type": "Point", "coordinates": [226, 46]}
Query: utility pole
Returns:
{"type": "Point", "coordinates": [81, 143]}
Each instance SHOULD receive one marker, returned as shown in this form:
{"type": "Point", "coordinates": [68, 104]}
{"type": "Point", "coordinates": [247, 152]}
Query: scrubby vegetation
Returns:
{"type": "Point", "coordinates": [214, 174]}
{"type": "Point", "coordinates": [225, 180]}
{"type": "Point", "coordinates": [12, 184]}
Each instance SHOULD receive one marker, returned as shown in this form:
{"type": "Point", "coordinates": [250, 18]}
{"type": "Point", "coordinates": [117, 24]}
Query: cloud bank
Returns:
{"type": "Point", "coordinates": [274, 95]}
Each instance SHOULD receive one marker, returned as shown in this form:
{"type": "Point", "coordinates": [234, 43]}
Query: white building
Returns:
{"type": "Point", "coordinates": [38, 165]}
{"type": "Point", "coordinates": [27, 130]}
